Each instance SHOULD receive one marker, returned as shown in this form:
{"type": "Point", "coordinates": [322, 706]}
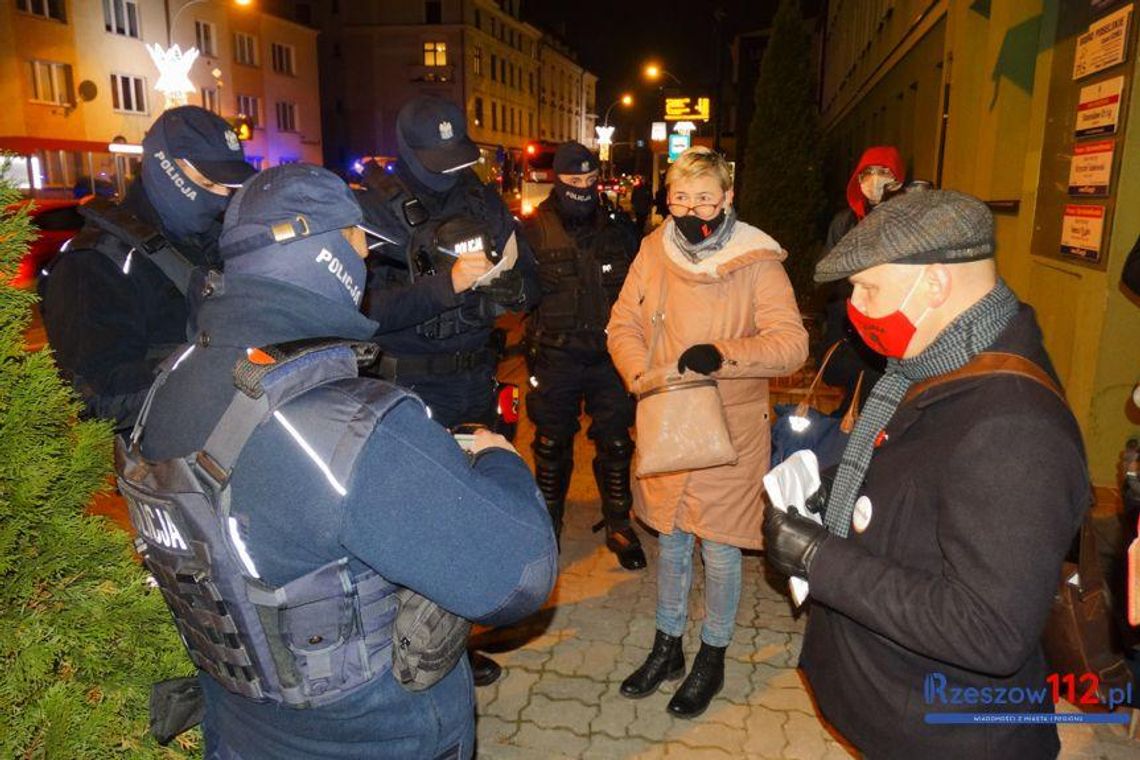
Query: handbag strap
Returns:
{"type": "Point", "coordinates": [658, 319]}
{"type": "Point", "coordinates": [803, 406]}
{"type": "Point", "coordinates": [851, 416]}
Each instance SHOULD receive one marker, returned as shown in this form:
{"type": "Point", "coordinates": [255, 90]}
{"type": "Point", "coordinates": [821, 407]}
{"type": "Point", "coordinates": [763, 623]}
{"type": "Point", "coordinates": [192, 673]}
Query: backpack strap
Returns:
{"type": "Point", "coordinates": [125, 233]}
{"type": "Point", "coordinates": [990, 363]}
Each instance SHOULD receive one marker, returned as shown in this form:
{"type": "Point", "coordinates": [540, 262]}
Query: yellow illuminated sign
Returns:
{"type": "Point", "coordinates": [686, 109]}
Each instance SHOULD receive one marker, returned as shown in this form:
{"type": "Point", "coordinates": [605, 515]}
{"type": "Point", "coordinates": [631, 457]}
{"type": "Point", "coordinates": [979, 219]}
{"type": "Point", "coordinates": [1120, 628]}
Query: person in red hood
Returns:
{"type": "Point", "coordinates": [880, 172]}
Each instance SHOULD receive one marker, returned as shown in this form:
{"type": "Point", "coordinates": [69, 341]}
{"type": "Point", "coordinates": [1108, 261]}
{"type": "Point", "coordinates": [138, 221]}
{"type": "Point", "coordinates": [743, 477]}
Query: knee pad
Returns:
{"type": "Point", "coordinates": [615, 449]}
{"type": "Point", "coordinates": [550, 447]}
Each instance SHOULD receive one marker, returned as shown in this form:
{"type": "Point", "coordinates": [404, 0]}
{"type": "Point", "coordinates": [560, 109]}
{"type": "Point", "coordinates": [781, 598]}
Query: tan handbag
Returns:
{"type": "Point", "coordinates": [680, 417]}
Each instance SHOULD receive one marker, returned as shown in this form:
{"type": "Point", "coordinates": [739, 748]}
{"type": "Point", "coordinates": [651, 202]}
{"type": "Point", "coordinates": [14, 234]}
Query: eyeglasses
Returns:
{"type": "Point", "coordinates": [877, 171]}
{"type": "Point", "coordinates": [703, 210]}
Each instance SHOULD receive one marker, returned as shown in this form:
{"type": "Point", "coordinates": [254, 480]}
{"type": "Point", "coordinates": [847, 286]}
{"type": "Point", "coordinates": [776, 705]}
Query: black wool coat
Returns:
{"type": "Point", "coordinates": [975, 493]}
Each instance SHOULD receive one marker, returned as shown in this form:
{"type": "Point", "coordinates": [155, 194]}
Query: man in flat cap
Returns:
{"type": "Point", "coordinates": [960, 491]}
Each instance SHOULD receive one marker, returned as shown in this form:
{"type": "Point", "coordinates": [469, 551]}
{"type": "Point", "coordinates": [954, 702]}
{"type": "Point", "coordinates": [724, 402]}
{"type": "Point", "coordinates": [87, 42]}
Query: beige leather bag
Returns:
{"type": "Point", "coordinates": [680, 418]}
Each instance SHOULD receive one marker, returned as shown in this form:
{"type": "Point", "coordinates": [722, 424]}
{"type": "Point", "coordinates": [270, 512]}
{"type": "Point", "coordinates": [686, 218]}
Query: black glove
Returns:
{"type": "Point", "coordinates": [506, 290]}
{"type": "Point", "coordinates": [791, 541]}
{"type": "Point", "coordinates": [703, 357]}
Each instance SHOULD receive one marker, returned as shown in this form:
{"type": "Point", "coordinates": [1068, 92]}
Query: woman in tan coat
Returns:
{"type": "Point", "coordinates": [725, 309]}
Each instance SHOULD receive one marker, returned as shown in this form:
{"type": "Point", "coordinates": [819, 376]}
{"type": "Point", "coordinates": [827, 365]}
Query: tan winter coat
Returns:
{"type": "Point", "coordinates": [740, 300]}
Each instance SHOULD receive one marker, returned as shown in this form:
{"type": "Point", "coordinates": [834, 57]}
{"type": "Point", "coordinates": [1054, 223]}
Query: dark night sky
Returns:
{"type": "Point", "coordinates": [614, 39]}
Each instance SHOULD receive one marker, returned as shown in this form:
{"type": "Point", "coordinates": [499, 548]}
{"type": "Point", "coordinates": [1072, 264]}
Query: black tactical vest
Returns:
{"type": "Point", "coordinates": [581, 278]}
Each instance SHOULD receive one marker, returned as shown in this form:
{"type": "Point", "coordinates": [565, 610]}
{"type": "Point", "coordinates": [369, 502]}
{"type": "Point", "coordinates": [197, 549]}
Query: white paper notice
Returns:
{"type": "Point", "coordinates": [789, 484]}
{"type": "Point", "coordinates": [1103, 45]}
{"type": "Point", "coordinates": [1098, 109]}
{"type": "Point", "coordinates": [510, 256]}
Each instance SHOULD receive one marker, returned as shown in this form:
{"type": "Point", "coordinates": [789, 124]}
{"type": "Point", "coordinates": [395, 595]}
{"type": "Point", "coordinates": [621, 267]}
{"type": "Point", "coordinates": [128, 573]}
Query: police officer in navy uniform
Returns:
{"type": "Point", "coordinates": [584, 252]}
{"type": "Point", "coordinates": [115, 302]}
{"type": "Point", "coordinates": [440, 227]}
{"type": "Point", "coordinates": [443, 229]}
{"type": "Point", "coordinates": [469, 532]}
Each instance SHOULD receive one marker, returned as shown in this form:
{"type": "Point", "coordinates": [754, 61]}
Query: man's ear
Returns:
{"type": "Point", "coordinates": [938, 281]}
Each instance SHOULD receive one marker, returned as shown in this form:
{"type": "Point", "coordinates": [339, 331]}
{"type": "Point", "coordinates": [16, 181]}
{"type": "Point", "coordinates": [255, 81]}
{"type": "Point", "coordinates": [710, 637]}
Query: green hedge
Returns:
{"type": "Point", "coordinates": [82, 635]}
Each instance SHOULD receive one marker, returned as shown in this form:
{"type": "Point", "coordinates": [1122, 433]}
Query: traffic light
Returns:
{"type": "Point", "coordinates": [242, 126]}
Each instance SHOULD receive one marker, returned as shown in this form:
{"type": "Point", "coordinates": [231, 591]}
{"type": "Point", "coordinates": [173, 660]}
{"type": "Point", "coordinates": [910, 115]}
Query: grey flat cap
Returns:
{"type": "Point", "coordinates": [918, 227]}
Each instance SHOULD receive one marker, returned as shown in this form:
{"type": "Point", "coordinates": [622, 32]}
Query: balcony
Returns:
{"type": "Point", "coordinates": [440, 74]}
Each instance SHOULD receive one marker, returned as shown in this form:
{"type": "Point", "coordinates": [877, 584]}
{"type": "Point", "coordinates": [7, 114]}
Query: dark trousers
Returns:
{"type": "Point", "coordinates": [565, 378]}
{"type": "Point", "coordinates": [458, 397]}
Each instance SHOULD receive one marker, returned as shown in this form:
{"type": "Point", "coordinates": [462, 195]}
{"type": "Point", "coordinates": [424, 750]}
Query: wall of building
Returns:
{"type": "Point", "coordinates": [971, 92]}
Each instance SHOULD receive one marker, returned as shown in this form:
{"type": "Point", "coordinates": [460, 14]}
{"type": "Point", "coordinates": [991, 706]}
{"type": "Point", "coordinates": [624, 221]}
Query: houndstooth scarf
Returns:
{"type": "Point", "coordinates": [971, 333]}
{"type": "Point", "coordinates": [697, 252]}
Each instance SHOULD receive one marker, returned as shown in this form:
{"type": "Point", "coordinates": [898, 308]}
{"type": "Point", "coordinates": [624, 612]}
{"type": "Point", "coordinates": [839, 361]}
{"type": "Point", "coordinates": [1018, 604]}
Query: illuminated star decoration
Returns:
{"type": "Point", "coordinates": [173, 72]}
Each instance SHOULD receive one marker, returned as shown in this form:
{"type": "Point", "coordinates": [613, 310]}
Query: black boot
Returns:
{"type": "Point", "coordinates": [611, 472]}
{"type": "Point", "coordinates": [553, 462]}
{"type": "Point", "coordinates": [704, 682]}
{"type": "Point", "coordinates": [484, 670]}
{"type": "Point", "coordinates": [666, 662]}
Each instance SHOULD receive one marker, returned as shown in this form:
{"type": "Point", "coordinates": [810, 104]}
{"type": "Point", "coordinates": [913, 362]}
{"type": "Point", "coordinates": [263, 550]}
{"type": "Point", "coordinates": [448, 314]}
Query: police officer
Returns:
{"type": "Point", "coordinates": [114, 303]}
{"type": "Point", "coordinates": [583, 256]}
{"type": "Point", "coordinates": [444, 228]}
{"type": "Point", "coordinates": [440, 228]}
{"type": "Point", "coordinates": [411, 509]}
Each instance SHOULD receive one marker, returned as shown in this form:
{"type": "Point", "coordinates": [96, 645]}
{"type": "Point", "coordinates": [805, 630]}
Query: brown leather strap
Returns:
{"type": "Point", "coordinates": [989, 363]}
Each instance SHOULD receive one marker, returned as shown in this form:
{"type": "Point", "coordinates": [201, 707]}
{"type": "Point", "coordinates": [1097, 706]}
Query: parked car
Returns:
{"type": "Point", "coordinates": [57, 221]}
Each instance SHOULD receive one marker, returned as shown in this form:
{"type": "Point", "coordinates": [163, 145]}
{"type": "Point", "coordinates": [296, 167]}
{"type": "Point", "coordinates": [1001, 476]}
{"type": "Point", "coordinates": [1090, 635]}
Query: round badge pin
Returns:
{"type": "Point", "coordinates": [861, 517]}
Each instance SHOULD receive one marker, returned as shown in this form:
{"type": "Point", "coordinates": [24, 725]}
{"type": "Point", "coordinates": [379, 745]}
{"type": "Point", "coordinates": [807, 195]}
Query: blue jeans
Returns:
{"type": "Point", "coordinates": [675, 578]}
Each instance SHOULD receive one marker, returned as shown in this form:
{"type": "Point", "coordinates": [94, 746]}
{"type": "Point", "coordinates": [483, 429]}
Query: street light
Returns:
{"type": "Point", "coordinates": [653, 72]}
{"type": "Point", "coordinates": [174, 21]}
{"type": "Point", "coordinates": [626, 100]}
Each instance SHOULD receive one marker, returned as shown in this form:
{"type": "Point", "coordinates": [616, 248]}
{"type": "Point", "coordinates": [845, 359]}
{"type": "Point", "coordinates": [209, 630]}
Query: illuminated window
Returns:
{"type": "Point", "coordinates": [250, 107]}
{"type": "Point", "coordinates": [282, 56]}
{"type": "Point", "coordinates": [478, 112]}
{"type": "Point", "coordinates": [128, 93]}
{"type": "Point", "coordinates": [210, 100]}
{"type": "Point", "coordinates": [121, 17]}
{"type": "Point", "coordinates": [286, 117]}
{"type": "Point", "coordinates": [51, 82]}
{"type": "Point", "coordinates": [52, 9]}
{"type": "Point", "coordinates": [204, 35]}
{"type": "Point", "coordinates": [245, 49]}
{"type": "Point", "coordinates": [435, 54]}
{"type": "Point", "coordinates": [477, 64]}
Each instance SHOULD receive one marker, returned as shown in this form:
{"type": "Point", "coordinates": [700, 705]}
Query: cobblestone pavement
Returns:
{"type": "Point", "coordinates": [558, 697]}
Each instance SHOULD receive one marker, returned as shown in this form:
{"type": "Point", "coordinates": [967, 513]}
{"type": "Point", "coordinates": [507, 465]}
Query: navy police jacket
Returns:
{"type": "Point", "coordinates": [472, 536]}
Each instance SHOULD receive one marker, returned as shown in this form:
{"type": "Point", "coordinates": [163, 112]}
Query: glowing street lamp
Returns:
{"type": "Point", "coordinates": [654, 71]}
{"type": "Point", "coordinates": [626, 100]}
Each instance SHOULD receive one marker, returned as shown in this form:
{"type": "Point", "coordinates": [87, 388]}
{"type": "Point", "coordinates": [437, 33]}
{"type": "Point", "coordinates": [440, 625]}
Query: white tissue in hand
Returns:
{"type": "Point", "coordinates": [789, 484]}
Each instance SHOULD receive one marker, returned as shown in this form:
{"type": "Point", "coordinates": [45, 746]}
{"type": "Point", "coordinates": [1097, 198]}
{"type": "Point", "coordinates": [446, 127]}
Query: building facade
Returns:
{"type": "Point", "coordinates": [78, 74]}
{"type": "Point", "coordinates": [567, 97]}
{"type": "Point", "coordinates": [1026, 105]}
{"type": "Point", "coordinates": [378, 54]}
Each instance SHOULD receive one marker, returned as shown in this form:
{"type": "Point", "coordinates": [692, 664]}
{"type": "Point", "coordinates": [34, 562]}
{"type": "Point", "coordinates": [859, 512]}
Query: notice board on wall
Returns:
{"type": "Point", "coordinates": [1091, 82]}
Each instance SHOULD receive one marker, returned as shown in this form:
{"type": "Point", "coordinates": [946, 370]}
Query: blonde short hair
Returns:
{"type": "Point", "coordinates": [698, 161]}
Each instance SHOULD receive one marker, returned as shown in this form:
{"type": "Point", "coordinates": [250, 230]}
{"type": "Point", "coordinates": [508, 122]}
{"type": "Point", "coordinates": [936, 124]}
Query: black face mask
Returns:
{"type": "Point", "coordinates": [575, 202]}
{"type": "Point", "coordinates": [696, 229]}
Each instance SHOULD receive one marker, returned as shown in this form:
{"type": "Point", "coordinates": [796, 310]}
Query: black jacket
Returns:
{"type": "Point", "coordinates": [398, 305]}
{"type": "Point", "coordinates": [976, 494]}
{"type": "Point", "coordinates": [109, 328]}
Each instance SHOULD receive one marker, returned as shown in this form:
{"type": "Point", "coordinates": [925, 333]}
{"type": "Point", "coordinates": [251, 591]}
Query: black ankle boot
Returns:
{"type": "Point", "coordinates": [704, 682]}
{"type": "Point", "coordinates": [666, 662]}
{"type": "Point", "coordinates": [622, 541]}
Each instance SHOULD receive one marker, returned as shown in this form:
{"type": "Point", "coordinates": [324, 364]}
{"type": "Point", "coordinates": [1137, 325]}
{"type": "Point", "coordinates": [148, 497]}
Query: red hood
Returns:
{"type": "Point", "coordinates": [879, 155]}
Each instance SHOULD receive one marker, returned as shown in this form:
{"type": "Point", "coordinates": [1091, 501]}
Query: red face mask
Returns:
{"type": "Point", "coordinates": [888, 335]}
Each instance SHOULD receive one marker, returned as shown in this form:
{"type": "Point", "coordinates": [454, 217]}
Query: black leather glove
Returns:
{"type": "Point", "coordinates": [791, 541]}
{"type": "Point", "coordinates": [703, 357]}
{"type": "Point", "coordinates": [506, 290]}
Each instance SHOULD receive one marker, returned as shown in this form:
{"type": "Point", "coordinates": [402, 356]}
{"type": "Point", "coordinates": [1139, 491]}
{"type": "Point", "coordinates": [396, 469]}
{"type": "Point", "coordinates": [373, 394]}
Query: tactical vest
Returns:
{"type": "Point", "coordinates": [119, 235]}
{"type": "Point", "coordinates": [580, 282]}
{"type": "Point", "coordinates": [422, 254]}
{"type": "Point", "coordinates": [319, 637]}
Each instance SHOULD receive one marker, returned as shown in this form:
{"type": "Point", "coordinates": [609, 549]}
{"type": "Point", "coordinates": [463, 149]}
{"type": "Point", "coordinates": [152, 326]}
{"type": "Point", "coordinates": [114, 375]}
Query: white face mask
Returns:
{"type": "Point", "coordinates": [874, 186]}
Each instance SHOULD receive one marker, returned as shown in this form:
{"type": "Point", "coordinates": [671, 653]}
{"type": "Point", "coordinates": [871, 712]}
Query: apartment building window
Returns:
{"type": "Point", "coordinates": [494, 116]}
{"type": "Point", "coordinates": [286, 117]}
{"type": "Point", "coordinates": [282, 57]}
{"type": "Point", "coordinates": [433, 12]}
{"type": "Point", "coordinates": [210, 100]}
{"type": "Point", "coordinates": [205, 34]}
{"type": "Point", "coordinates": [250, 107]}
{"type": "Point", "coordinates": [52, 9]}
{"type": "Point", "coordinates": [512, 129]}
{"type": "Point", "coordinates": [435, 54]}
{"type": "Point", "coordinates": [503, 70]}
{"type": "Point", "coordinates": [245, 48]}
{"type": "Point", "coordinates": [478, 112]}
{"type": "Point", "coordinates": [493, 29]}
{"type": "Point", "coordinates": [530, 123]}
{"type": "Point", "coordinates": [477, 63]}
{"type": "Point", "coordinates": [128, 93]}
{"type": "Point", "coordinates": [51, 82]}
{"type": "Point", "coordinates": [530, 81]}
{"type": "Point", "coordinates": [478, 20]}
{"type": "Point", "coordinates": [494, 65]}
{"type": "Point", "coordinates": [121, 17]}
